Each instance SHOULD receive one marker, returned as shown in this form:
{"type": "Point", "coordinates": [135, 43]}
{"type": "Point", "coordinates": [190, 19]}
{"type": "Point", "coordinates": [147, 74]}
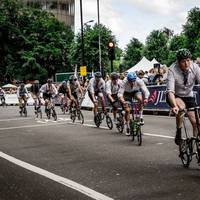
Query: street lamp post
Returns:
{"type": "Point", "coordinates": [82, 39]}
{"type": "Point", "coordinates": [100, 67]}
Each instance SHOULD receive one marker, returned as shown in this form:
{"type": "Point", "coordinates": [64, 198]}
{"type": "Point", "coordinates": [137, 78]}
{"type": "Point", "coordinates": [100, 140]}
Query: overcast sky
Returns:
{"type": "Point", "coordinates": [135, 18]}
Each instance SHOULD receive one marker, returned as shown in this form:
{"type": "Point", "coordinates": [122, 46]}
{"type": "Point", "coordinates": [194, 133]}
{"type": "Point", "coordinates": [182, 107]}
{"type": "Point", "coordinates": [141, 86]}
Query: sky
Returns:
{"type": "Point", "coordinates": [135, 18]}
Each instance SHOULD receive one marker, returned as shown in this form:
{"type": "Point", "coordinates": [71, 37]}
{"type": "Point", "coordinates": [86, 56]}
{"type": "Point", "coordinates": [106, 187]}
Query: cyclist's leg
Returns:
{"type": "Point", "coordinates": [95, 109]}
{"type": "Point", "coordinates": [138, 97]}
{"type": "Point", "coordinates": [103, 101]}
{"type": "Point", "coordinates": [20, 102]}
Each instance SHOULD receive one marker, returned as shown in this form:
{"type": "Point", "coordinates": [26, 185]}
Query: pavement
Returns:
{"type": "Point", "coordinates": [42, 159]}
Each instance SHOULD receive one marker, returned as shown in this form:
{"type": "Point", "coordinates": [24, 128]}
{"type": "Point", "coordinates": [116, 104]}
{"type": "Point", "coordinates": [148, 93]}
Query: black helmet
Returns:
{"type": "Point", "coordinates": [114, 76]}
{"type": "Point", "coordinates": [98, 75]}
{"type": "Point", "coordinates": [183, 54]}
{"type": "Point", "coordinates": [72, 78]}
{"type": "Point", "coordinates": [49, 81]}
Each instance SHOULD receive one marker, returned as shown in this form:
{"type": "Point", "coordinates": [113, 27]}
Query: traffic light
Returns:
{"type": "Point", "coordinates": [111, 50]}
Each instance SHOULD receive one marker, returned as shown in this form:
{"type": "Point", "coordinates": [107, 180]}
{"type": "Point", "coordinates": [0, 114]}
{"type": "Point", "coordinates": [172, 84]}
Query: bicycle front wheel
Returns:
{"type": "Point", "coordinates": [97, 119]}
{"type": "Point", "coordinates": [109, 122]}
{"type": "Point", "coordinates": [185, 153]}
{"type": "Point", "coordinates": [80, 117]}
{"type": "Point", "coordinates": [139, 136]}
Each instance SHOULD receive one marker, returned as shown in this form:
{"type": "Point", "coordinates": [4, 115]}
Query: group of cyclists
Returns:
{"type": "Point", "coordinates": [182, 76]}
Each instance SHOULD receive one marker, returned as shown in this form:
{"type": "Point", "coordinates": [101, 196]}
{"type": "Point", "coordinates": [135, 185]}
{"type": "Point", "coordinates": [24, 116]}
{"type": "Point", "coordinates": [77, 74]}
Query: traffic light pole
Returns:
{"type": "Point", "coordinates": [111, 65]}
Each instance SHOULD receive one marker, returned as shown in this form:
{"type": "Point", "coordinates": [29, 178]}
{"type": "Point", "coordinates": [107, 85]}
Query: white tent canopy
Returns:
{"type": "Point", "coordinates": [154, 61]}
{"type": "Point", "coordinates": [9, 86]}
{"type": "Point", "coordinates": [144, 64]}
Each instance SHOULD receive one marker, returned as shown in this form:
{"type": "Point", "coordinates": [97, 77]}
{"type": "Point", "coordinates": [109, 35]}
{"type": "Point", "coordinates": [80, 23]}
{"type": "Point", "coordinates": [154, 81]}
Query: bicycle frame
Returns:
{"type": "Point", "coordinates": [186, 146]}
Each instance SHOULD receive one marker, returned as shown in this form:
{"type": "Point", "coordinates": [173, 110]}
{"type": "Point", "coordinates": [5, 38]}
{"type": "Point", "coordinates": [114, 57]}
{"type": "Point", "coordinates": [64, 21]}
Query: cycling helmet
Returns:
{"type": "Point", "coordinates": [183, 54]}
{"type": "Point", "coordinates": [114, 76]}
{"type": "Point", "coordinates": [98, 75]}
{"type": "Point", "coordinates": [49, 81]}
{"type": "Point", "coordinates": [131, 76]}
{"type": "Point", "coordinates": [22, 84]}
{"type": "Point", "coordinates": [72, 78]}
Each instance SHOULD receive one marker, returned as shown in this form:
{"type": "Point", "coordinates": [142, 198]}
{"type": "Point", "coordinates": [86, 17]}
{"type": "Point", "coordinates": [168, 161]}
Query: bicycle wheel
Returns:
{"type": "Point", "coordinates": [109, 122]}
{"type": "Point", "coordinates": [120, 124]}
{"type": "Point", "coordinates": [185, 153]}
{"type": "Point", "coordinates": [73, 115]}
{"type": "Point", "coordinates": [40, 112]}
{"type": "Point", "coordinates": [97, 119]}
{"type": "Point", "coordinates": [25, 112]}
{"type": "Point", "coordinates": [139, 135]}
{"type": "Point", "coordinates": [80, 117]}
{"type": "Point", "coordinates": [48, 112]}
{"type": "Point", "coordinates": [54, 115]}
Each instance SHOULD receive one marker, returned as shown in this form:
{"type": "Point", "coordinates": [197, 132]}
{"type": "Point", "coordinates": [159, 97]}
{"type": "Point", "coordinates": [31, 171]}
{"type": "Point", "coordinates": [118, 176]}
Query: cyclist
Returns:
{"type": "Point", "coordinates": [35, 93]}
{"type": "Point", "coordinates": [22, 94]}
{"type": "Point", "coordinates": [48, 90]}
{"type": "Point", "coordinates": [133, 87]}
{"type": "Point", "coordinates": [64, 92]}
{"type": "Point", "coordinates": [179, 93]}
{"type": "Point", "coordinates": [76, 90]}
{"type": "Point", "coordinates": [96, 88]}
{"type": "Point", "coordinates": [2, 95]}
{"type": "Point", "coordinates": [112, 88]}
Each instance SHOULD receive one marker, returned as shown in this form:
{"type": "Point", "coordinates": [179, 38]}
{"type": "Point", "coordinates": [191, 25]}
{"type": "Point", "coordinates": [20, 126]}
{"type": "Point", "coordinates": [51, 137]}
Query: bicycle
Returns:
{"type": "Point", "coordinates": [38, 110]}
{"type": "Point", "coordinates": [76, 112]}
{"type": "Point", "coordinates": [64, 105]}
{"type": "Point", "coordinates": [50, 109]}
{"type": "Point", "coordinates": [135, 123]}
{"type": "Point", "coordinates": [23, 109]}
{"type": "Point", "coordinates": [120, 121]}
{"type": "Point", "coordinates": [188, 144]}
{"type": "Point", "coordinates": [3, 101]}
{"type": "Point", "coordinates": [100, 117]}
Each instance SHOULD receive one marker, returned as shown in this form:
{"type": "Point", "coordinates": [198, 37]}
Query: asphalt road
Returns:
{"type": "Point", "coordinates": [47, 160]}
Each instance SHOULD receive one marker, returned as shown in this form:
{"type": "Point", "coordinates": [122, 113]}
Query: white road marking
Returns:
{"type": "Point", "coordinates": [14, 119]}
{"type": "Point", "coordinates": [32, 126]}
{"type": "Point", "coordinates": [59, 179]}
{"type": "Point", "coordinates": [52, 122]}
{"type": "Point", "coordinates": [156, 135]}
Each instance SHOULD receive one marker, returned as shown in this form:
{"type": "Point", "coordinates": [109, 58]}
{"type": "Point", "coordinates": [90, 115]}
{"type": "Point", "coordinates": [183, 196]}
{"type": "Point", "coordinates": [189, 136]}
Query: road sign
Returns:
{"type": "Point", "coordinates": [83, 71]}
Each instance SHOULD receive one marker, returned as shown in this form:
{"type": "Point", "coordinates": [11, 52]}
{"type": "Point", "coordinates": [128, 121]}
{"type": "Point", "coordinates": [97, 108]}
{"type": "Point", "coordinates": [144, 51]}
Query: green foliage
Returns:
{"type": "Point", "coordinates": [91, 48]}
{"type": "Point", "coordinates": [192, 28]}
{"type": "Point", "coordinates": [133, 52]}
{"type": "Point", "coordinates": [34, 44]}
{"type": "Point", "coordinates": [156, 46]}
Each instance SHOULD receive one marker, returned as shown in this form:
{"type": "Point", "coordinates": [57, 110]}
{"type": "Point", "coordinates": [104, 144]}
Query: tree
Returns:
{"type": "Point", "coordinates": [133, 52]}
{"type": "Point", "coordinates": [176, 43]}
{"type": "Point", "coordinates": [91, 47]}
{"type": "Point", "coordinates": [192, 28]}
{"type": "Point", "coordinates": [34, 43]}
{"type": "Point", "coordinates": [156, 46]}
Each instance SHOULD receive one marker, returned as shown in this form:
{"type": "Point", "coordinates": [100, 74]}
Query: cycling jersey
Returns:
{"type": "Point", "coordinates": [63, 89]}
{"type": "Point", "coordinates": [113, 89]}
{"type": "Point", "coordinates": [138, 85]}
{"type": "Point", "coordinates": [48, 90]}
{"type": "Point", "coordinates": [74, 86]}
{"type": "Point", "coordinates": [21, 92]}
{"type": "Point", "coordinates": [94, 86]}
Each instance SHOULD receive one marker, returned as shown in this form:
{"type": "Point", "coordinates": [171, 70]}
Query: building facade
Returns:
{"type": "Point", "coordinates": [64, 10]}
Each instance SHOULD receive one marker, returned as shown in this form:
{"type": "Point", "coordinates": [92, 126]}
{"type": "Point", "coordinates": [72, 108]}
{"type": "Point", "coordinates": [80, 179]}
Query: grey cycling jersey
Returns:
{"type": "Point", "coordinates": [175, 80]}
{"type": "Point", "coordinates": [95, 86]}
{"type": "Point", "coordinates": [138, 85]}
{"type": "Point", "coordinates": [113, 88]}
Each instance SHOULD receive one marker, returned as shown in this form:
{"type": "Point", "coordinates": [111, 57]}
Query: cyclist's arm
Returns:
{"type": "Point", "coordinates": [144, 90]}
{"type": "Point", "coordinates": [108, 91]}
{"type": "Point", "coordinates": [170, 92]}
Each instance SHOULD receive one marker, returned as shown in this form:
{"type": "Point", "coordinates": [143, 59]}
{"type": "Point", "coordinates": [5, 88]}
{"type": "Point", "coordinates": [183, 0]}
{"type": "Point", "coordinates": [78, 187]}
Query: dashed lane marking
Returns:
{"type": "Point", "coordinates": [59, 179]}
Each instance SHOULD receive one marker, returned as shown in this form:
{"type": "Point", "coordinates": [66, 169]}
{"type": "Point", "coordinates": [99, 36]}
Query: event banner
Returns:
{"type": "Point", "coordinates": [157, 98]}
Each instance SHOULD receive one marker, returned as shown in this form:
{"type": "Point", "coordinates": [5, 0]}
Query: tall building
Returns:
{"type": "Point", "coordinates": [64, 10]}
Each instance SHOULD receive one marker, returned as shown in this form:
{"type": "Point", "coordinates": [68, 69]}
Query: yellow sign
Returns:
{"type": "Point", "coordinates": [83, 71]}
